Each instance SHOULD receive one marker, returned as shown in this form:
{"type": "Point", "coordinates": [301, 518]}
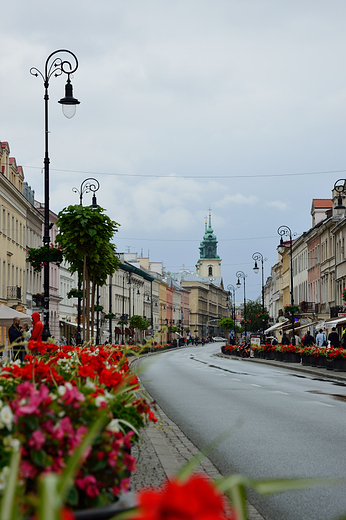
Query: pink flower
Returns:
{"type": "Point", "coordinates": [64, 427]}
{"type": "Point", "coordinates": [37, 440]}
{"type": "Point", "coordinates": [27, 470]}
{"type": "Point", "coordinates": [89, 485]}
{"type": "Point", "coordinates": [35, 399]}
{"type": "Point", "coordinates": [73, 396]}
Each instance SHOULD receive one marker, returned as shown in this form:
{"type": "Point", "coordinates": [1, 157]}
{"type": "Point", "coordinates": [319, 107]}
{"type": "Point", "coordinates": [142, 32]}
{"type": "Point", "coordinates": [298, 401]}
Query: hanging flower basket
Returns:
{"type": "Point", "coordinates": [75, 293]}
{"type": "Point", "coordinates": [343, 292]}
{"type": "Point", "coordinates": [40, 256]}
{"type": "Point", "coordinates": [98, 308]}
{"type": "Point", "coordinates": [291, 308]}
{"type": "Point", "coordinates": [109, 316]}
{"type": "Point", "coordinates": [38, 299]}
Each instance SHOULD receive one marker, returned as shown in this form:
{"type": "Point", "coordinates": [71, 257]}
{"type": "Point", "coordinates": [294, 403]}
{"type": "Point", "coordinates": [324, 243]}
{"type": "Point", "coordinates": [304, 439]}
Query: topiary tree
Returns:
{"type": "Point", "coordinates": [85, 234]}
{"type": "Point", "coordinates": [226, 324]}
{"type": "Point", "coordinates": [139, 323]}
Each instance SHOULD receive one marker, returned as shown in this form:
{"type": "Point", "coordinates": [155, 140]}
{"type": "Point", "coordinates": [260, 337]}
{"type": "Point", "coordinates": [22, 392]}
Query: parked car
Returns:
{"type": "Point", "coordinates": [218, 338]}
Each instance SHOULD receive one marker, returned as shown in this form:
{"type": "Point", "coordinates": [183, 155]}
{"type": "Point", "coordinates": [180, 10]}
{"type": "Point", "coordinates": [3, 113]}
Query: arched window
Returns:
{"type": "Point", "coordinates": [210, 271]}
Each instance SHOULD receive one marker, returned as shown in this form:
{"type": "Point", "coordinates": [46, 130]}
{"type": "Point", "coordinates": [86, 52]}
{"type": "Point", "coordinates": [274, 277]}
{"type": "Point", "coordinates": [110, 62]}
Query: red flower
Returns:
{"type": "Point", "coordinates": [195, 499]}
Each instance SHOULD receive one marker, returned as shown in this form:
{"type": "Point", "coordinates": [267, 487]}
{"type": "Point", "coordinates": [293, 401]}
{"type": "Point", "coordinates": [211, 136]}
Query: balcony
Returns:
{"type": "Point", "coordinates": [308, 307]}
{"type": "Point", "coordinates": [335, 311]}
{"type": "Point", "coordinates": [14, 295]}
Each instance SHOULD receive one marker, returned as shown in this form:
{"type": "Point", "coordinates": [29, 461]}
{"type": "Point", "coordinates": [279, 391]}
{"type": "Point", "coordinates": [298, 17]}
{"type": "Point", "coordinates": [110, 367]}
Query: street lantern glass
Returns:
{"type": "Point", "coordinates": [69, 103]}
{"type": "Point", "coordinates": [256, 268]}
{"type": "Point", "coordinates": [339, 210]}
{"type": "Point", "coordinates": [238, 284]}
{"type": "Point", "coordinates": [281, 247]}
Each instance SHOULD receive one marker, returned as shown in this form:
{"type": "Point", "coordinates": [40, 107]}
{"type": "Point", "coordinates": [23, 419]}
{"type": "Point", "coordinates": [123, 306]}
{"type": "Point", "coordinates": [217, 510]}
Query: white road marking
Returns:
{"type": "Point", "coordinates": [235, 379]}
{"type": "Point", "coordinates": [324, 404]}
{"type": "Point", "coordinates": [280, 392]}
{"type": "Point", "coordinates": [253, 384]}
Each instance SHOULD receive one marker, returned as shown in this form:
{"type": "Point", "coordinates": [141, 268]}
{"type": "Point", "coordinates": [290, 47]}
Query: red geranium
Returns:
{"type": "Point", "coordinates": [195, 499]}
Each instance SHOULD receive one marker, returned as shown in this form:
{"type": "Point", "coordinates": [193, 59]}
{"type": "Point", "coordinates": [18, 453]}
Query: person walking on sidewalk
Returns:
{"type": "Point", "coordinates": [334, 338]}
{"type": "Point", "coordinates": [321, 339]}
{"type": "Point", "coordinates": [309, 340]}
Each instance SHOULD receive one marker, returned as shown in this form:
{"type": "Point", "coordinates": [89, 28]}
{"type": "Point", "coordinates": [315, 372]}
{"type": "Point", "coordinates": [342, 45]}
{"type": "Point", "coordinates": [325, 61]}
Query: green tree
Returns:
{"type": "Point", "coordinates": [226, 324]}
{"type": "Point", "coordinates": [85, 234]}
{"type": "Point", "coordinates": [254, 316]}
{"type": "Point", "coordinates": [139, 323]}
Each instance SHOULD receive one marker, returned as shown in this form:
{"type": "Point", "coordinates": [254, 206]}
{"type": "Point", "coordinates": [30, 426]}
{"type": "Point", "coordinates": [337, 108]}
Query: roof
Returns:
{"type": "Point", "coordinates": [323, 203]}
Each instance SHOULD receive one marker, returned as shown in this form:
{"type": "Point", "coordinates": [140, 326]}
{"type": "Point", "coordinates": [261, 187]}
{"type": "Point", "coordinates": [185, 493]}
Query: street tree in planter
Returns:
{"type": "Point", "coordinates": [255, 316]}
{"type": "Point", "coordinates": [139, 323]}
{"type": "Point", "coordinates": [226, 324]}
{"type": "Point", "coordinates": [85, 234]}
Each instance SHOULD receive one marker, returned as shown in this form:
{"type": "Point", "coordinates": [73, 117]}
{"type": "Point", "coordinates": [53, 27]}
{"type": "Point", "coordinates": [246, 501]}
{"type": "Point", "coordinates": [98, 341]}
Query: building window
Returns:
{"type": "Point", "coordinates": [210, 271]}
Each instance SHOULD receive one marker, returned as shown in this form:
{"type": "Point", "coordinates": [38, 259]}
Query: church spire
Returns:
{"type": "Point", "coordinates": [208, 246]}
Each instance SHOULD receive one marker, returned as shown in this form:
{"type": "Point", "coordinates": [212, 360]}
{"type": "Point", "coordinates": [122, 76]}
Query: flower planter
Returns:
{"type": "Point", "coordinates": [329, 363]}
{"type": "Point", "coordinates": [339, 365]}
{"type": "Point", "coordinates": [256, 354]}
{"type": "Point", "coordinates": [278, 356]}
{"type": "Point", "coordinates": [321, 362]}
{"type": "Point", "coordinates": [269, 354]}
{"type": "Point", "coordinates": [313, 360]}
{"type": "Point", "coordinates": [307, 361]}
{"type": "Point", "coordinates": [261, 354]}
{"type": "Point", "coordinates": [291, 357]}
{"type": "Point", "coordinates": [124, 503]}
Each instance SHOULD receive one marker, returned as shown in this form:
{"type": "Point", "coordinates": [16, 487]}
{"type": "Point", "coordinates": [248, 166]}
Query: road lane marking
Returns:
{"type": "Point", "coordinates": [235, 379]}
{"type": "Point", "coordinates": [253, 384]}
{"type": "Point", "coordinates": [324, 404]}
{"type": "Point", "coordinates": [280, 392]}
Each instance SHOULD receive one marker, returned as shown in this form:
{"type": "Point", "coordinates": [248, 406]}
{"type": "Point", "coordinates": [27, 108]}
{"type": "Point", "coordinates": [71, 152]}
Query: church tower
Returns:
{"type": "Point", "coordinates": [209, 263]}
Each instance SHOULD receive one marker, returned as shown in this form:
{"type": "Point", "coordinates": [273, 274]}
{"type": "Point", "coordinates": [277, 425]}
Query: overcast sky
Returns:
{"type": "Point", "coordinates": [236, 105]}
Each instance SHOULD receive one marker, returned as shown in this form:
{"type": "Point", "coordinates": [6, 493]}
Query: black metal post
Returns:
{"type": "Point", "coordinates": [110, 310]}
{"type": "Point", "coordinates": [259, 257]}
{"type": "Point", "coordinates": [85, 187]}
{"type": "Point", "coordinates": [55, 67]}
{"type": "Point", "coordinates": [241, 274]}
{"type": "Point", "coordinates": [98, 315]}
{"type": "Point", "coordinates": [123, 317]}
{"type": "Point", "coordinates": [286, 231]}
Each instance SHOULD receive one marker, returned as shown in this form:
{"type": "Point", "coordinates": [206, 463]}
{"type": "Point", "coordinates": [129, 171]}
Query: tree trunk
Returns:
{"type": "Point", "coordinates": [84, 293]}
{"type": "Point", "coordinates": [92, 309]}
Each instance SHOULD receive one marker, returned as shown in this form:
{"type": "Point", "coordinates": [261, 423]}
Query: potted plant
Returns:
{"type": "Point", "coordinates": [75, 293]}
{"type": "Point", "coordinates": [39, 256]}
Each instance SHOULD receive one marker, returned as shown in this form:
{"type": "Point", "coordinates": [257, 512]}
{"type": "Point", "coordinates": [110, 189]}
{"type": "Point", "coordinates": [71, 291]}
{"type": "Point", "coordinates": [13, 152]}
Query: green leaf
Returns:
{"type": "Point", "coordinates": [39, 457]}
{"type": "Point", "coordinates": [267, 487]}
{"type": "Point", "coordinates": [49, 503]}
{"type": "Point", "coordinates": [72, 496]}
{"type": "Point", "coordinates": [8, 503]}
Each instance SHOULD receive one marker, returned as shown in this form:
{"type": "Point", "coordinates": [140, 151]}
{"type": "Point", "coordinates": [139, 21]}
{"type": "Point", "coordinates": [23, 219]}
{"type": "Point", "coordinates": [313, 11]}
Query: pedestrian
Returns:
{"type": "Point", "coordinates": [72, 340]}
{"type": "Point", "coordinates": [309, 340]}
{"type": "Point", "coordinates": [36, 333]}
{"type": "Point", "coordinates": [296, 340]}
{"type": "Point", "coordinates": [16, 337]}
{"type": "Point", "coordinates": [334, 339]}
{"type": "Point", "coordinates": [343, 339]}
{"type": "Point", "coordinates": [321, 339]}
{"type": "Point", "coordinates": [274, 340]}
{"type": "Point", "coordinates": [285, 340]}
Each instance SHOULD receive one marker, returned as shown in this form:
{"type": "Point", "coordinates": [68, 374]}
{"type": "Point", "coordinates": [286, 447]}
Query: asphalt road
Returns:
{"type": "Point", "coordinates": [280, 423]}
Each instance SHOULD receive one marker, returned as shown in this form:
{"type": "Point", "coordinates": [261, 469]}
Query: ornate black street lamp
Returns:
{"type": "Point", "coordinates": [85, 187]}
{"type": "Point", "coordinates": [242, 275]}
{"type": "Point", "coordinates": [54, 66]}
{"type": "Point", "coordinates": [286, 231]}
{"type": "Point", "coordinates": [258, 257]}
{"type": "Point", "coordinates": [232, 289]}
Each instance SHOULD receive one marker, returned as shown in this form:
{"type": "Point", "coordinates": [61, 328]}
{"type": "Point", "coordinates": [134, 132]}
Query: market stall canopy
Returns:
{"type": "Point", "coordinates": [277, 326]}
{"type": "Point", "coordinates": [7, 314]}
{"type": "Point", "coordinates": [301, 327]}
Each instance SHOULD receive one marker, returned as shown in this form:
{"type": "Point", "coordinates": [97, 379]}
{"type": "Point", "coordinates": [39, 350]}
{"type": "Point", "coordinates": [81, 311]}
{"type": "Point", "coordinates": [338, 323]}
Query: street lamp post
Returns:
{"type": "Point", "coordinates": [231, 289]}
{"type": "Point", "coordinates": [85, 187]}
{"type": "Point", "coordinates": [339, 211]}
{"type": "Point", "coordinates": [286, 231]}
{"type": "Point", "coordinates": [259, 257]}
{"type": "Point", "coordinates": [241, 274]}
{"type": "Point", "coordinates": [54, 66]}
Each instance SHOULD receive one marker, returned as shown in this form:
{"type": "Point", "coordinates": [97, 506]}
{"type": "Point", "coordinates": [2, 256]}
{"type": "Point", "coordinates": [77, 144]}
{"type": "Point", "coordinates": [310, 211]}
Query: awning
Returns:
{"type": "Point", "coordinates": [117, 330]}
{"type": "Point", "coordinates": [335, 322]}
{"type": "Point", "coordinates": [301, 327]}
{"type": "Point", "coordinates": [277, 326]}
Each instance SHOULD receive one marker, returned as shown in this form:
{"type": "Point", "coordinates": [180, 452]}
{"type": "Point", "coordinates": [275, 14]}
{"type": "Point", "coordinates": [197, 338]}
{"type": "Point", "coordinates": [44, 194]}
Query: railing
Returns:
{"type": "Point", "coordinates": [308, 307]}
{"type": "Point", "coordinates": [14, 292]}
